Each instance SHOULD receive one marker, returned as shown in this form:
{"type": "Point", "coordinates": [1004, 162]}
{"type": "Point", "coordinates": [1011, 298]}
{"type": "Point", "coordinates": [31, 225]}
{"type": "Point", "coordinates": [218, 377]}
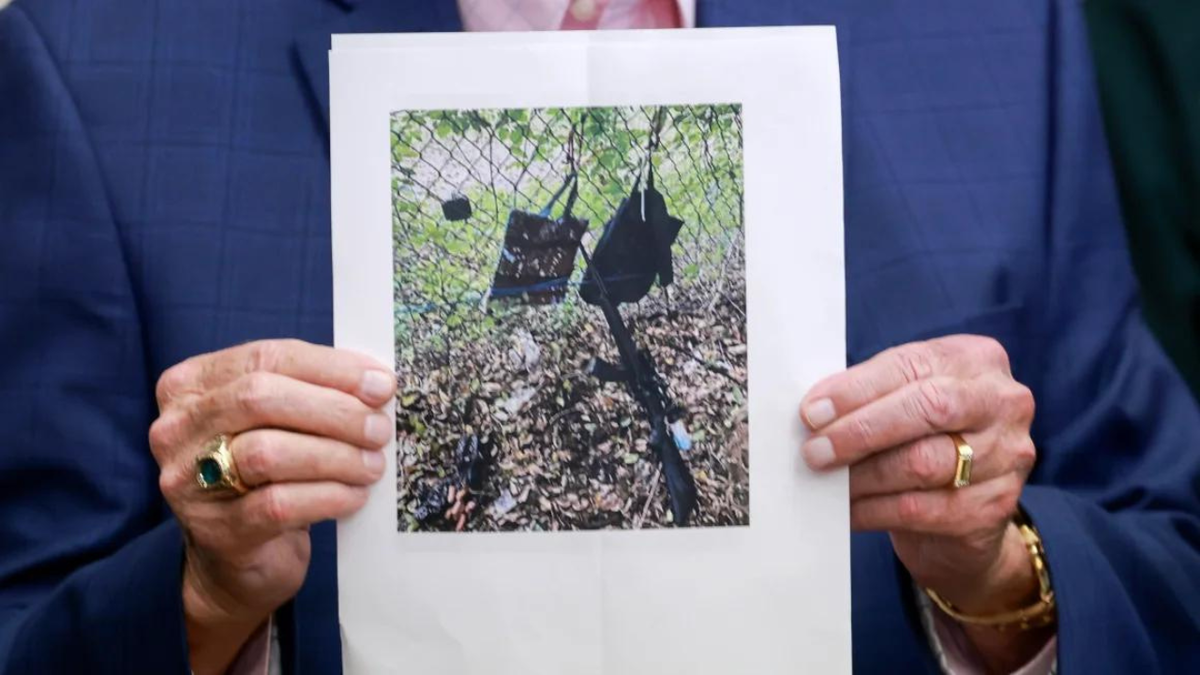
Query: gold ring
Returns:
{"type": "Point", "coordinates": [966, 455]}
{"type": "Point", "coordinates": [216, 470]}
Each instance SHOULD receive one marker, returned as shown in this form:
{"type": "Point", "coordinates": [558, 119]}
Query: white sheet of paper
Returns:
{"type": "Point", "coordinates": [769, 597]}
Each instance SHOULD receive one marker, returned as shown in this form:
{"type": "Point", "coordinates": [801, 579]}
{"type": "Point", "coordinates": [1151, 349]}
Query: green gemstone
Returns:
{"type": "Point", "coordinates": [210, 471]}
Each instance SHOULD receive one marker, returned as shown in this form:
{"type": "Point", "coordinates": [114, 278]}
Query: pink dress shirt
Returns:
{"type": "Point", "coordinates": [260, 656]}
{"type": "Point", "coordinates": [508, 15]}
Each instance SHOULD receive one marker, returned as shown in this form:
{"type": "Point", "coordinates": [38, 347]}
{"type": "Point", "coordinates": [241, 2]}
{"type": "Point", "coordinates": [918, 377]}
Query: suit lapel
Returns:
{"type": "Point", "coordinates": [366, 16]}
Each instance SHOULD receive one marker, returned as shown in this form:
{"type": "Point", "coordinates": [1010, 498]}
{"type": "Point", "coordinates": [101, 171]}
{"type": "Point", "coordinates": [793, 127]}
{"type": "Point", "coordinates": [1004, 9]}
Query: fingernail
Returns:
{"type": "Point", "coordinates": [376, 385]}
{"type": "Point", "coordinates": [374, 461]}
{"type": "Point", "coordinates": [818, 452]}
{"type": "Point", "coordinates": [376, 429]}
{"type": "Point", "coordinates": [819, 413]}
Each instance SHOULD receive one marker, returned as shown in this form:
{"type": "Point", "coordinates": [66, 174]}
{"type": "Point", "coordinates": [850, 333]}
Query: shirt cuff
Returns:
{"type": "Point", "coordinates": [957, 656]}
{"type": "Point", "coordinates": [255, 657]}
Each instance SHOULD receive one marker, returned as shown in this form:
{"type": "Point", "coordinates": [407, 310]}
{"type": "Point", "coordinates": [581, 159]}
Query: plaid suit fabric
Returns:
{"type": "Point", "coordinates": [164, 193]}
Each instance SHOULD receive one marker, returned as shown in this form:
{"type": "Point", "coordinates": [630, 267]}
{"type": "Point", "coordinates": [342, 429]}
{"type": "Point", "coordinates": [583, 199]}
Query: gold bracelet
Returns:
{"type": "Point", "coordinates": [1038, 615]}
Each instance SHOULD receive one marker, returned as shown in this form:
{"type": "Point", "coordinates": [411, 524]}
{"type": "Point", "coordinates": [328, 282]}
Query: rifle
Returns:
{"type": "Point", "coordinates": [638, 372]}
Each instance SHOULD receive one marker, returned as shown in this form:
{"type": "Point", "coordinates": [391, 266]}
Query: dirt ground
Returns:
{"type": "Point", "coordinates": [565, 451]}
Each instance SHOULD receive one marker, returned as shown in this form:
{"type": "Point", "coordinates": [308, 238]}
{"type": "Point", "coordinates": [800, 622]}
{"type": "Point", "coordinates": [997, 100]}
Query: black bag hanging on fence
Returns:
{"type": "Point", "coordinates": [539, 251]}
{"type": "Point", "coordinates": [635, 247]}
{"type": "Point", "coordinates": [457, 207]}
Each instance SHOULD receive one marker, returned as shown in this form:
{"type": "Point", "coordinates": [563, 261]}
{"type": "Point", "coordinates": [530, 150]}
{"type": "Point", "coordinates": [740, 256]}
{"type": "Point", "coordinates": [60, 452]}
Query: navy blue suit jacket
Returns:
{"type": "Point", "coordinates": [164, 191]}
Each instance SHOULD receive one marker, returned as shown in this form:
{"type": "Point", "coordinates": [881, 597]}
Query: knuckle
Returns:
{"type": "Point", "coordinates": [859, 389]}
{"type": "Point", "coordinates": [989, 350]}
{"type": "Point", "coordinates": [923, 464]}
{"type": "Point", "coordinates": [266, 355]}
{"type": "Point", "coordinates": [275, 507]}
{"type": "Point", "coordinates": [258, 457]}
{"type": "Point", "coordinates": [910, 509]}
{"type": "Point", "coordinates": [861, 430]}
{"type": "Point", "coordinates": [198, 416]}
{"type": "Point", "coordinates": [344, 411]}
{"type": "Point", "coordinates": [172, 382]}
{"type": "Point", "coordinates": [1019, 399]}
{"type": "Point", "coordinates": [255, 392]}
{"type": "Point", "coordinates": [1025, 455]}
{"type": "Point", "coordinates": [164, 434]}
{"type": "Point", "coordinates": [915, 361]}
{"type": "Point", "coordinates": [169, 482]}
{"type": "Point", "coordinates": [934, 403]}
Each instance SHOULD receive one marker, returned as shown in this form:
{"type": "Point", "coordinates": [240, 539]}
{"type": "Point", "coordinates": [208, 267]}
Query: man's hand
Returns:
{"type": "Point", "coordinates": [887, 419]}
{"type": "Point", "coordinates": [306, 436]}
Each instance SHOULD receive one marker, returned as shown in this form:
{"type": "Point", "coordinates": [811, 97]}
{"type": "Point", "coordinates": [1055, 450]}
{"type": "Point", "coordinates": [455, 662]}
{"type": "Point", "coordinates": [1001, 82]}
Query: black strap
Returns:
{"type": "Point", "coordinates": [572, 139]}
{"type": "Point", "coordinates": [571, 180]}
{"type": "Point", "coordinates": [571, 197]}
{"type": "Point", "coordinates": [655, 138]}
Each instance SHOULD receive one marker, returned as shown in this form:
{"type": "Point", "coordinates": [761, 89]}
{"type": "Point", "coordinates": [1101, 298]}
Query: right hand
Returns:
{"type": "Point", "coordinates": [306, 432]}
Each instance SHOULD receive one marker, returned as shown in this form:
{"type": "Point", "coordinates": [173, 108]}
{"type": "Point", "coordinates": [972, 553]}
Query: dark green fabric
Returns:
{"type": "Point", "coordinates": [1147, 55]}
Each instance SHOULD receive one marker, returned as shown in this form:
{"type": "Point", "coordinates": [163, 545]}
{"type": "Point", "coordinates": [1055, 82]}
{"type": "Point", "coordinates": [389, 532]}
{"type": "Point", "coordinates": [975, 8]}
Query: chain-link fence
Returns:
{"type": "Point", "coordinates": [469, 364]}
{"type": "Point", "coordinates": [503, 160]}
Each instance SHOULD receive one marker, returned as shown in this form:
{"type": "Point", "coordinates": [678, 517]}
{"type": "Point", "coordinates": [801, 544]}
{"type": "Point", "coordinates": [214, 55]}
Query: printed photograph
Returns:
{"type": "Point", "coordinates": [570, 319]}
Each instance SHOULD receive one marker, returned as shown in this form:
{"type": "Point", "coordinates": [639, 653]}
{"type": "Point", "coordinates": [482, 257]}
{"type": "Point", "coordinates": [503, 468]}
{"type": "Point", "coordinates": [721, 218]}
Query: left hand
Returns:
{"type": "Point", "coordinates": [887, 420]}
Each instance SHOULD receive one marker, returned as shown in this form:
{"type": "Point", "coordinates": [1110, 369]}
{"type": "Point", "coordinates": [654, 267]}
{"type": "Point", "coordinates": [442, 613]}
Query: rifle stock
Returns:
{"type": "Point", "coordinates": [681, 486]}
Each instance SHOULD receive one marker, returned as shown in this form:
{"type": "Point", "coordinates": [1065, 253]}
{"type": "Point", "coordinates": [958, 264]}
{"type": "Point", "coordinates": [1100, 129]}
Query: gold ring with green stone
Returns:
{"type": "Point", "coordinates": [216, 470]}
